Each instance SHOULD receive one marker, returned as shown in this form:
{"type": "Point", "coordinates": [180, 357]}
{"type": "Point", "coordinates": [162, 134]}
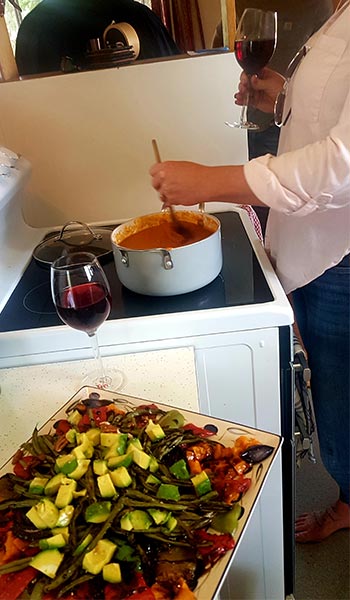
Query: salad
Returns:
{"type": "Point", "coordinates": [119, 503]}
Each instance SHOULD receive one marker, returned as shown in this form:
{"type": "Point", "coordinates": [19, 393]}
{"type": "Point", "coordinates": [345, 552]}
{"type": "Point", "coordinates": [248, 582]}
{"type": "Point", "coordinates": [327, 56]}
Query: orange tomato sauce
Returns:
{"type": "Point", "coordinates": [165, 235]}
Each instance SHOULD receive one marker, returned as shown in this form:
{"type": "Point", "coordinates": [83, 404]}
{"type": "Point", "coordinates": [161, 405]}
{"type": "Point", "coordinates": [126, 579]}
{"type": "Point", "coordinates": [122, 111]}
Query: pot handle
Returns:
{"type": "Point", "coordinates": [166, 258]}
{"type": "Point", "coordinates": [96, 236]}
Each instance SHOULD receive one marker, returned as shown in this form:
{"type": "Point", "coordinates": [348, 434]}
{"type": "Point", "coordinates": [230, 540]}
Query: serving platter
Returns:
{"type": "Point", "coordinates": [226, 433]}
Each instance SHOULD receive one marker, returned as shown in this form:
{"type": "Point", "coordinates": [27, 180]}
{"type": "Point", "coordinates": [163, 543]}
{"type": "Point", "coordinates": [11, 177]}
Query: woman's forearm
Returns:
{"type": "Point", "coordinates": [228, 184]}
{"type": "Point", "coordinates": [189, 183]}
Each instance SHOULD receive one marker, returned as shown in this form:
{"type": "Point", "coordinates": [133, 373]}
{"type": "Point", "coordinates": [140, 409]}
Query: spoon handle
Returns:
{"type": "Point", "coordinates": [156, 151]}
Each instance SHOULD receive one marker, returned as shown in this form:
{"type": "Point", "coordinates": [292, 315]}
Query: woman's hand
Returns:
{"type": "Point", "coordinates": [180, 182]}
{"type": "Point", "coordinates": [263, 89]}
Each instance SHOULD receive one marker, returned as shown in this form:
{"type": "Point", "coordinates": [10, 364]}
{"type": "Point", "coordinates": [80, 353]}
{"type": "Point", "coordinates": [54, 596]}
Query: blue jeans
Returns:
{"type": "Point", "coordinates": [322, 311]}
{"type": "Point", "coordinates": [263, 142]}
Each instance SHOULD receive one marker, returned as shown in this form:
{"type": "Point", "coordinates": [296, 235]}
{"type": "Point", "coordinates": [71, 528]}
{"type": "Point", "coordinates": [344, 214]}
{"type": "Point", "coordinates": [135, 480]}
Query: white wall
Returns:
{"type": "Point", "coordinates": [88, 135]}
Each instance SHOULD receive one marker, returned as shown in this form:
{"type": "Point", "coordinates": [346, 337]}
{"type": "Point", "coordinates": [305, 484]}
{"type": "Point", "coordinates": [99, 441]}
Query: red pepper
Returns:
{"type": "Point", "coordinates": [198, 430]}
{"type": "Point", "coordinates": [13, 585]}
{"type": "Point", "coordinates": [62, 426]}
{"type": "Point", "coordinates": [145, 595]}
{"type": "Point", "coordinates": [214, 545]}
{"type": "Point", "coordinates": [23, 468]}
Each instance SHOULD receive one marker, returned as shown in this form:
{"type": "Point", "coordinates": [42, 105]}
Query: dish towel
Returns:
{"type": "Point", "coordinates": [254, 219]}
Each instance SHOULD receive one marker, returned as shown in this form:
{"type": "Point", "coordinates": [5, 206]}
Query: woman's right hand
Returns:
{"type": "Point", "coordinates": [263, 89]}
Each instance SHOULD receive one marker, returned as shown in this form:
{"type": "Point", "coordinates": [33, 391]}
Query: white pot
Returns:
{"type": "Point", "coordinates": [173, 271]}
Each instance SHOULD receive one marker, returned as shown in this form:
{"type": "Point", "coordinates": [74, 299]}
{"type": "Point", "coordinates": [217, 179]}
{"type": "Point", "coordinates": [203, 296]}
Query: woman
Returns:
{"type": "Point", "coordinates": [307, 188]}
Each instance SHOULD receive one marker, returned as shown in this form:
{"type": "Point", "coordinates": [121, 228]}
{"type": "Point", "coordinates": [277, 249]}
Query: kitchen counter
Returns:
{"type": "Point", "coordinates": [31, 395]}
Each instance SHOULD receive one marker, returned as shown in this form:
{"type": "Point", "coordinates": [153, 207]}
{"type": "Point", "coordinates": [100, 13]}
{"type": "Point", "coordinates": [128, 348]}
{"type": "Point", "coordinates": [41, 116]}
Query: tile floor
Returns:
{"type": "Point", "coordinates": [322, 570]}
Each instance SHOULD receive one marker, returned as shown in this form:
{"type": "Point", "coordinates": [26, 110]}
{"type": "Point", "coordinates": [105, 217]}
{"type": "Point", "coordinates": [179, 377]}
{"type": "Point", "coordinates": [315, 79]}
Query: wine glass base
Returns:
{"type": "Point", "coordinates": [114, 381]}
{"type": "Point", "coordinates": [246, 125]}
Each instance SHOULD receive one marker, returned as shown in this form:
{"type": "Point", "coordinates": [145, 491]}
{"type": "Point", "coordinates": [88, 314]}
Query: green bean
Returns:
{"type": "Point", "coordinates": [37, 591]}
{"type": "Point", "coordinates": [154, 504]}
{"type": "Point", "coordinates": [15, 565]}
{"type": "Point", "coordinates": [17, 503]}
{"type": "Point", "coordinates": [166, 539]}
{"type": "Point", "coordinates": [73, 584]}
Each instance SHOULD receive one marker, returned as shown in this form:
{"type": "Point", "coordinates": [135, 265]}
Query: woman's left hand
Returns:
{"type": "Point", "coordinates": [180, 182]}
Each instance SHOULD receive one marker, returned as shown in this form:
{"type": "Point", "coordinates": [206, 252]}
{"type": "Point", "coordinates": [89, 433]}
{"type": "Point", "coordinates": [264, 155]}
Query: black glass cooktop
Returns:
{"type": "Point", "coordinates": [240, 282]}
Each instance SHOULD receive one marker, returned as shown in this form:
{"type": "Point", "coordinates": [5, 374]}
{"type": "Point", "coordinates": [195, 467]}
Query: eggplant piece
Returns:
{"type": "Point", "coordinates": [256, 454]}
{"type": "Point", "coordinates": [176, 564]}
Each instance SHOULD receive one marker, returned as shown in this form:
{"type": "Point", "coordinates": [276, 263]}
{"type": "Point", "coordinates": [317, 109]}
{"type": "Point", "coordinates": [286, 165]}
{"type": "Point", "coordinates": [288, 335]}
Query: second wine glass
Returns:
{"type": "Point", "coordinates": [81, 295]}
{"type": "Point", "coordinates": [255, 43]}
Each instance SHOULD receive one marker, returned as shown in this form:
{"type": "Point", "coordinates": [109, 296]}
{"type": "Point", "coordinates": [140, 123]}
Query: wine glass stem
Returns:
{"type": "Point", "coordinates": [97, 356]}
{"type": "Point", "coordinates": [244, 111]}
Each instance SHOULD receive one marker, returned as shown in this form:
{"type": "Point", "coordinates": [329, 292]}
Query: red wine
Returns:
{"type": "Point", "coordinates": [253, 55]}
{"type": "Point", "coordinates": [84, 306]}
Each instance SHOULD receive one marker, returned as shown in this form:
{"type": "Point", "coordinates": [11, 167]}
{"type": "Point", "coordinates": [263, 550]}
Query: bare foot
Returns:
{"type": "Point", "coordinates": [315, 527]}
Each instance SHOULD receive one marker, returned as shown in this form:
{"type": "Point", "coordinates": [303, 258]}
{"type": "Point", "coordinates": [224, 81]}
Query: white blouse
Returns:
{"type": "Point", "coordinates": [307, 186]}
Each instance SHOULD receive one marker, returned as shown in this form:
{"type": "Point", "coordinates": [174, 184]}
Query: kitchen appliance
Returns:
{"type": "Point", "coordinates": [239, 326]}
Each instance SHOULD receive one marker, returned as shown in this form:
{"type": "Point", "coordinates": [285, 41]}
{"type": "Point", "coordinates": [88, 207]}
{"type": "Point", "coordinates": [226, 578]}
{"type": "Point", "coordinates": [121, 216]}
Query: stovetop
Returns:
{"type": "Point", "coordinates": [240, 282]}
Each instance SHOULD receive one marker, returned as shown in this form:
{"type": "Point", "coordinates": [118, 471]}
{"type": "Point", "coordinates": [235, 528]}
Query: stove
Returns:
{"type": "Point", "coordinates": [30, 306]}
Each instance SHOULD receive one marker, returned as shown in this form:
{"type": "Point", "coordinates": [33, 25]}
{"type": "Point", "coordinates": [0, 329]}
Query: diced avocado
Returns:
{"type": "Point", "coordinates": [173, 419]}
{"type": "Point", "coordinates": [201, 483]}
{"type": "Point", "coordinates": [171, 523]}
{"type": "Point", "coordinates": [179, 470]}
{"type": "Point", "coordinates": [74, 417]}
{"type": "Point", "coordinates": [32, 515]}
{"type": "Point", "coordinates": [106, 486]}
{"type": "Point", "coordinates": [227, 522]}
{"type": "Point", "coordinates": [47, 562]}
{"type": "Point", "coordinates": [43, 512]}
{"type": "Point", "coordinates": [112, 573]}
{"type": "Point", "coordinates": [121, 477]}
{"type": "Point", "coordinates": [125, 522]}
{"type": "Point", "coordinates": [132, 444]}
{"type": "Point", "coordinates": [99, 467]}
{"type": "Point", "coordinates": [153, 480]}
{"type": "Point", "coordinates": [154, 431]}
{"type": "Point", "coordinates": [65, 516]}
{"type": "Point", "coordinates": [37, 485]}
{"type": "Point", "coordinates": [93, 435]}
{"type": "Point", "coordinates": [80, 493]}
{"type": "Point", "coordinates": [140, 520]}
{"type": "Point", "coordinates": [141, 458]}
{"type": "Point", "coordinates": [71, 435]}
{"type": "Point", "coordinates": [84, 450]}
{"type": "Point", "coordinates": [66, 463]}
{"type": "Point", "coordinates": [167, 491]}
{"type": "Point", "coordinates": [124, 460]}
{"type": "Point", "coordinates": [116, 442]}
{"type": "Point", "coordinates": [65, 493]}
{"type": "Point", "coordinates": [153, 465]}
{"type": "Point", "coordinates": [99, 556]}
{"type": "Point", "coordinates": [61, 530]}
{"type": "Point", "coordinates": [82, 467]}
{"type": "Point", "coordinates": [158, 516]}
{"type": "Point", "coordinates": [98, 512]}
{"type": "Point", "coordinates": [55, 541]}
{"type": "Point", "coordinates": [54, 483]}
{"type": "Point", "coordinates": [108, 439]}
{"type": "Point", "coordinates": [83, 544]}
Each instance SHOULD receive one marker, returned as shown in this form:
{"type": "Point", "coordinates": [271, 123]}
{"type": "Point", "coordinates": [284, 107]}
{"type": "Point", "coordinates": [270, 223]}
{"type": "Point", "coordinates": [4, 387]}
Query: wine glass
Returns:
{"type": "Point", "coordinates": [82, 297]}
{"type": "Point", "coordinates": [255, 43]}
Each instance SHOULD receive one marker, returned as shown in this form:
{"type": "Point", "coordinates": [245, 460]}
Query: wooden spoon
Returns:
{"type": "Point", "coordinates": [180, 228]}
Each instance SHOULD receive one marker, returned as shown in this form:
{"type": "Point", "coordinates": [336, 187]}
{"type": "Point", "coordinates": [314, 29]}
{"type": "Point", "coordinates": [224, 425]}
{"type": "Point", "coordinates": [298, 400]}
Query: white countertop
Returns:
{"type": "Point", "coordinates": [31, 395]}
